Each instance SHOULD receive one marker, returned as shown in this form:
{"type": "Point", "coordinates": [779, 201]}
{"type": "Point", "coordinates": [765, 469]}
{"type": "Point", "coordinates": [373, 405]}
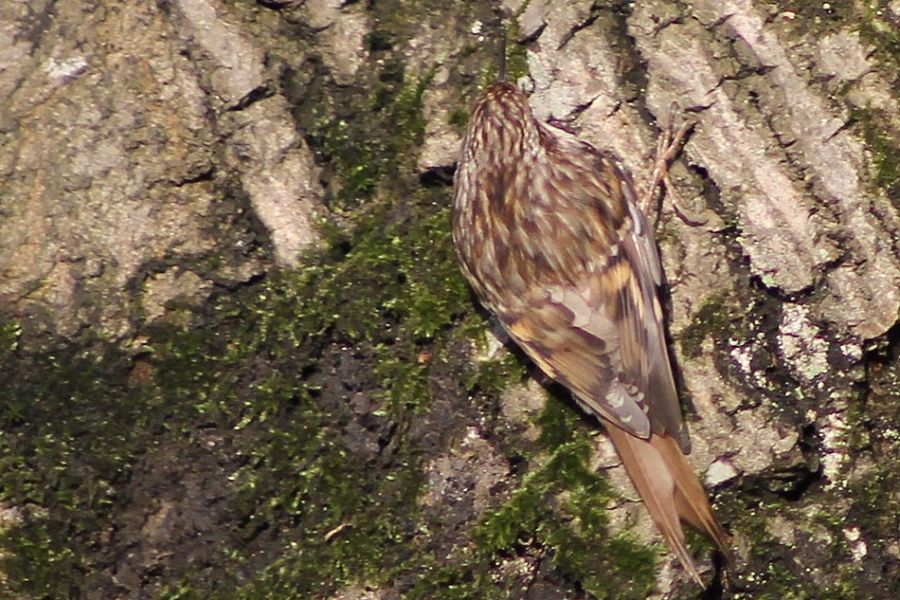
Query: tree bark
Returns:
{"type": "Point", "coordinates": [238, 358]}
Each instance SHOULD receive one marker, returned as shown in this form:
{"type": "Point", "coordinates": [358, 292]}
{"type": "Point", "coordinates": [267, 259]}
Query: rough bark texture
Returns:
{"type": "Point", "coordinates": [238, 360]}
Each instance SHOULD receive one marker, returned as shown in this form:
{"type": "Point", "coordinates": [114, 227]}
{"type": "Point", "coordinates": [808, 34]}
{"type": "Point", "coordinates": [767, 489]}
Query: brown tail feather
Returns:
{"type": "Point", "coordinates": [690, 497]}
{"type": "Point", "coordinates": [670, 490]}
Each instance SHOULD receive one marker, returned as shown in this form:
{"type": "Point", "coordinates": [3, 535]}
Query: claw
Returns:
{"type": "Point", "coordinates": [667, 148]}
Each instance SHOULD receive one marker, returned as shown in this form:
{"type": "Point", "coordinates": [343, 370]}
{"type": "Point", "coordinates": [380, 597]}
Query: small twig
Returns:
{"type": "Point", "coordinates": [331, 534]}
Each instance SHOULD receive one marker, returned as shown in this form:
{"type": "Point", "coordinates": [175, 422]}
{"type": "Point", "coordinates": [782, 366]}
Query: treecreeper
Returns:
{"type": "Point", "coordinates": [550, 236]}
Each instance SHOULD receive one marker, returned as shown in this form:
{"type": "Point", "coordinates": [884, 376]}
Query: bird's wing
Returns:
{"type": "Point", "coordinates": [601, 335]}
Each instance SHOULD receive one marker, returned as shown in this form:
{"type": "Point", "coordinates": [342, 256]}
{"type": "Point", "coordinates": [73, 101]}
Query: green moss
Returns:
{"type": "Point", "coordinates": [391, 295]}
{"type": "Point", "coordinates": [367, 141]}
{"type": "Point", "coordinates": [563, 507]}
{"type": "Point", "coordinates": [66, 444]}
{"type": "Point", "coordinates": [884, 145]}
{"type": "Point", "coordinates": [516, 54]}
{"type": "Point", "coordinates": [872, 424]}
{"type": "Point", "coordinates": [713, 318]}
{"type": "Point", "coordinates": [407, 113]}
{"type": "Point", "coordinates": [877, 29]}
{"type": "Point", "coordinates": [558, 422]}
{"type": "Point", "coordinates": [391, 290]}
{"type": "Point", "coordinates": [819, 18]}
{"type": "Point", "coordinates": [769, 577]}
{"type": "Point", "coordinates": [459, 117]}
{"type": "Point", "coordinates": [364, 134]}
{"type": "Point", "coordinates": [810, 558]}
{"type": "Point", "coordinates": [490, 378]}
{"type": "Point", "coordinates": [9, 337]}
{"type": "Point", "coordinates": [560, 510]}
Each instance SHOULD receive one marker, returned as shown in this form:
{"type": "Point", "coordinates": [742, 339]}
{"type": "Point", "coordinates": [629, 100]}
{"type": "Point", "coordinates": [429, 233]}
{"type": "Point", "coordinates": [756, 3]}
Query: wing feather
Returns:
{"type": "Point", "coordinates": [601, 333]}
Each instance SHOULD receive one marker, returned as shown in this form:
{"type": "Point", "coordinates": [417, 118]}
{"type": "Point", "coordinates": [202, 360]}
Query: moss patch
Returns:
{"type": "Point", "coordinates": [712, 319]}
{"type": "Point", "coordinates": [261, 373]}
{"type": "Point", "coordinates": [877, 28]}
{"type": "Point", "coordinates": [884, 145]}
{"type": "Point", "coordinates": [557, 514]}
{"type": "Point", "coordinates": [66, 441]}
{"type": "Point", "coordinates": [388, 298]}
{"type": "Point", "coordinates": [876, 506]}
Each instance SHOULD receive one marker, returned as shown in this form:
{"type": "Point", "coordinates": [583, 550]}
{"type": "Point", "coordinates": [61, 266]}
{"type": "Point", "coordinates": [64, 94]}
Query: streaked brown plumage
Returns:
{"type": "Point", "coordinates": [549, 234]}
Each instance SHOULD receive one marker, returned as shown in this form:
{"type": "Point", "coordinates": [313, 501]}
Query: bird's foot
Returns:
{"type": "Point", "coordinates": [667, 148]}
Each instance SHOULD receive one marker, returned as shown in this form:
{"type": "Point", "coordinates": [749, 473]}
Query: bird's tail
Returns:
{"type": "Point", "coordinates": [670, 490]}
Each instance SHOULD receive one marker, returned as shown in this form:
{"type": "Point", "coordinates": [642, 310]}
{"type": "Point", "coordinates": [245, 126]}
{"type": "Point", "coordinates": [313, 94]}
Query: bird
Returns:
{"type": "Point", "coordinates": [549, 234]}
